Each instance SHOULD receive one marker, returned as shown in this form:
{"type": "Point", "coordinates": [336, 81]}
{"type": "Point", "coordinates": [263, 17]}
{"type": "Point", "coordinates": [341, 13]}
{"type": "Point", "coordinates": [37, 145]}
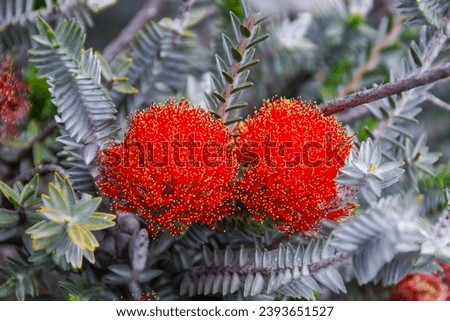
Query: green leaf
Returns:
{"type": "Point", "coordinates": [64, 184]}
{"type": "Point", "coordinates": [46, 244]}
{"type": "Point", "coordinates": [122, 270]}
{"type": "Point", "coordinates": [53, 214]}
{"type": "Point", "coordinates": [65, 231]}
{"type": "Point", "coordinates": [257, 41]}
{"type": "Point", "coordinates": [106, 68]}
{"type": "Point", "coordinates": [249, 65]}
{"type": "Point", "coordinates": [100, 221]}
{"type": "Point", "coordinates": [45, 29]}
{"type": "Point", "coordinates": [9, 193]}
{"type": "Point", "coordinates": [236, 54]}
{"type": "Point", "coordinates": [415, 54]}
{"type": "Point", "coordinates": [38, 257]}
{"type": "Point", "coordinates": [45, 229]}
{"type": "Point", "coordinates": [232, 121]}
{"type": "Point", "coordinates": [20, 290]}
{"type": "Point", "coordinates": [83, 238]}
{"type": "Point", "coordinates": [89, 255]}
{"type": "Point", "coordinates": [123, 68]}
{"type": "Point", "coordinates": [242, 87]}
{"type": "Point", "coordinates": [84, 209]}
{"type": "Point", "coordinates": [227, 77]}
{"type": "Point", "coordinates": [246, 32]}
{"type": "Point", "coordinates": [8, 218]}
{"type": "Point", "coordinates": [6, 234]}
{"type": "Point", "coordinates": [219, 97]}
{"type": "Point", "coordinates": [30, 190]}
{"type": "Point", "coordinates": [32, 129]}
{"type": "Point", "coordinates": [17, 188]}
{"type": "Point", "coordinates": [236, 106]}
{"type": "Point", "coordinates": [80, 292]}
{"type": "Point", "coordinates": [148, 275]}
{"type": "Point", "coordinates": [124, 88]}
{"type": "Point", "coordinates": [6, 289]}
{"type": "Point", "coordinates": [74, 255]}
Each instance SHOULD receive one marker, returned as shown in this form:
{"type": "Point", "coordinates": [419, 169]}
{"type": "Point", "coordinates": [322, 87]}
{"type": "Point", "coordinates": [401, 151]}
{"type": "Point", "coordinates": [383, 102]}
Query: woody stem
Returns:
{"type": "Point", "coordinates": [367, 96]}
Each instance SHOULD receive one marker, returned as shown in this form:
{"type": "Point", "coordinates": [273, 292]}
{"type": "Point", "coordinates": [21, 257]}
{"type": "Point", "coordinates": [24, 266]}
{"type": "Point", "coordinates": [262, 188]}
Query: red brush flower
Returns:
{"type": "Point", "coordinates": [174, 167]}
{"type": "Point", "coordinates": [292, 154]}
{"type": "Point", "coordinates": [445, 274]}
{"type": "Point", "coordinates": [420, 287]}
{"type": "Point", "coordinates": [13, 103]}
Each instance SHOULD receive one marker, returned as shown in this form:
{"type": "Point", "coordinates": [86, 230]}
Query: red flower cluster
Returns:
{"type": "Point", "coordinates": [13, 103]}
{"type": "Point", "coordinates": [291, 168]}
{"type": "Point", "coordinates": [424, 287]}
{"type": "Point", "coordinates": [159, 169]}
{"type": "Point", "coordinates": [177, 165]}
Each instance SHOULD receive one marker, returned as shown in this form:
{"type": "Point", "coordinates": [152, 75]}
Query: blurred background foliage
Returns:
{"type": "Point", "coordinates": [318, 50]}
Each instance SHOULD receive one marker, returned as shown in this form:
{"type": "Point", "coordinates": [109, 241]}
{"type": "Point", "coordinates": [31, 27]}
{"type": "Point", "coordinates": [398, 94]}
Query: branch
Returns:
{"type": "Point", "coordinates": [336, 260]}
{"type": "Point", "coordinates": [122, 41]}
{"type": "Point", "coordinates": [241, 48]}
{"type": "Point", "coordinates": [367, 96]}
{"type": "Point", "coordinates": [47, 131]}
{"type": "Point", "coordinates": [23, 152]}
{"type": "Point", "coordinates": [432, 50]}
{"type": "Point", "coordinates": [41, 169]}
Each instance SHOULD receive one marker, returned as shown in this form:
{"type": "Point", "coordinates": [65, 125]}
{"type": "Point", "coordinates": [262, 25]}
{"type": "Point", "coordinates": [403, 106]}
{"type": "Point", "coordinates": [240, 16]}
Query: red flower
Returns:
{"type": "Point", "coordinates": [150, 296]}
{"type": "Point", "coordinates": [292, 154]}
{"type": "Point", "coordinates": [445, 274]}
{"type": "Point", "coordinates": [420, 287]}
{"type": "Point", "coordinates": [13, 104]}
{"type": "Point", "coordinates": [174, 167]}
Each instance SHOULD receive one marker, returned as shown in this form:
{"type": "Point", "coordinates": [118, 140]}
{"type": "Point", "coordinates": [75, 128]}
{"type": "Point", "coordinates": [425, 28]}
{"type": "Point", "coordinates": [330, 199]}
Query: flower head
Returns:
{"type": "Point", "coordinates": [292, 154]}
{"type": "Point", "coordinates": [171, 168]}
{"type": "Point", "coordinates": [13, 103]}
{"type": "Point", "coordinates": [420, 287]}
{"type": "Point", "coordinates": [445, 274]}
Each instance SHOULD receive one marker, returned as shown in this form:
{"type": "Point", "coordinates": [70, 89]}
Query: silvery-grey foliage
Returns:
{"type": "Point", "coordinates": [138, 271]}
{"type": "Point", "coordinates": [418, 157]}
{"type": "Point", "coordinates": [401, 226]}
{"type": "Point", "coordinates": [292, 270]}
{"type": "Point", "coordinates": [377, 235]}
{"type": "Point", "coordinates": [437, 241]}
{"type": "Point", "coordinates": [364, 169]}
{"type": "Point", "coordinates": [433, 12]}
{"type": "Point", "coordinates": [398, 116]}
{"type": "Point", "coordinates": [86, 113]}
{"type": "Point", "coordinates": [17, 18]}
{"type": "Point", "coordinates": [158, 67]}
{"type": "Point", "coordinates": [159, 61]}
